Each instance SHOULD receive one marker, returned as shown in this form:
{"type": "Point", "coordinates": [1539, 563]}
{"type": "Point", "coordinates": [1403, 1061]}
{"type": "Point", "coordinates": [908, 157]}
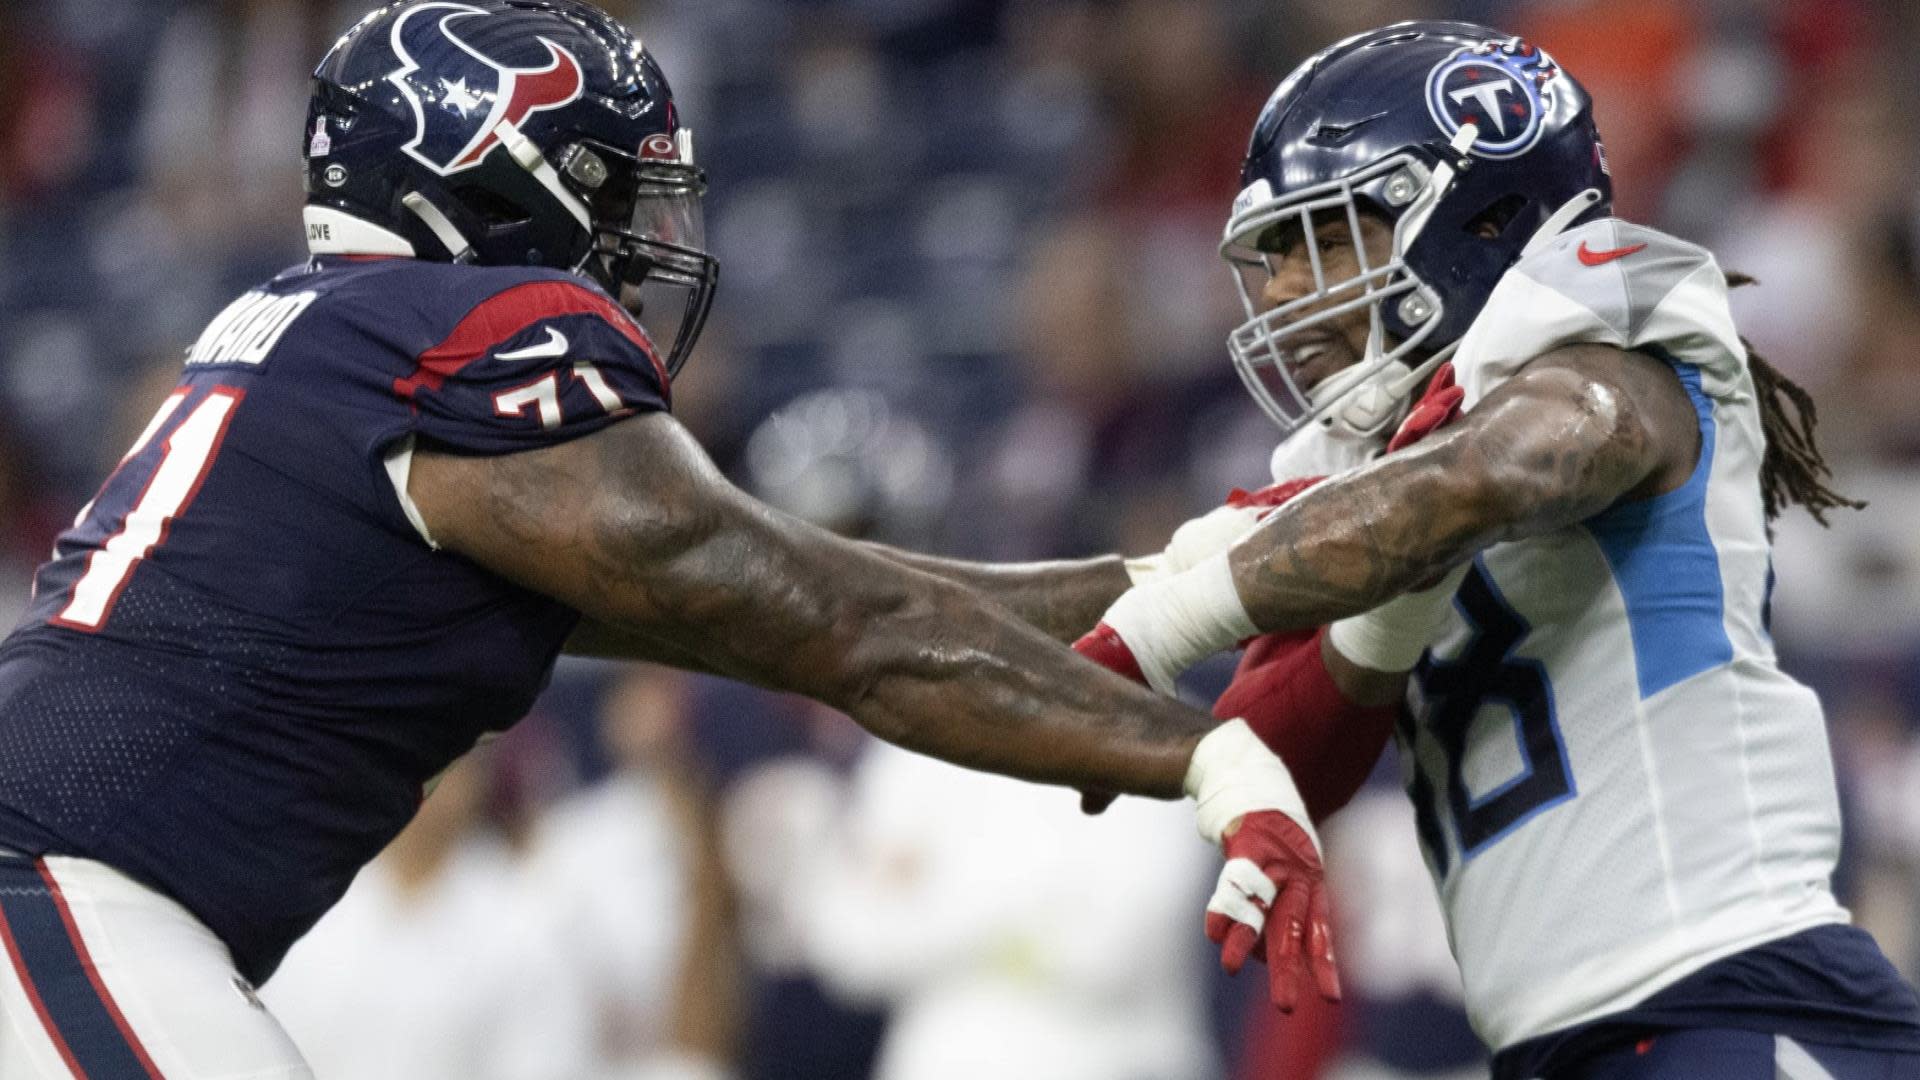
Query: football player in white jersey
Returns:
{"type": "Point", "coordinates": [1628, 810]}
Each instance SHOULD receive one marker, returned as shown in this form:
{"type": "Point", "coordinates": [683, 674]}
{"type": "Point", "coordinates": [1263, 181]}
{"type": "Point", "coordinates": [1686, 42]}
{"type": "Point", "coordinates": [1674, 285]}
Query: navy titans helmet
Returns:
{"type": "Point", "coordinates": [1472, 144]}
{"type": "Point", "coordinates": [512, 133]}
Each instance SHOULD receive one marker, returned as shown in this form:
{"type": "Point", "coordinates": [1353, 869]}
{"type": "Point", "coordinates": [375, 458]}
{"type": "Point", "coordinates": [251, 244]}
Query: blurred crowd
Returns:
{"type": "Point", "coordinates": [971, 303]}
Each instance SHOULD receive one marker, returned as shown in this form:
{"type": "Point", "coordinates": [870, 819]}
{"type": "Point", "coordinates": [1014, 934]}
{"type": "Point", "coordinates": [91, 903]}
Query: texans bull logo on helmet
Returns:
{"type": "Point", "coordinates": [461, 106]}
{"type": "Point", "coordinates": [1504, 88]}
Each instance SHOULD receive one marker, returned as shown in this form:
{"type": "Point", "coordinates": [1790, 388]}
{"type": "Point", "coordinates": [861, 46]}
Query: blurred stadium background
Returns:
{"type": "Point", "coordinates": [969, 274]}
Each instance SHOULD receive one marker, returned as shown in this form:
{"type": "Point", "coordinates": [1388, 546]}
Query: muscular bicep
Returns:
{"type": "Point", "coordinates": [543, 517]}
{"type": "Point", "coordinates": [1578, 430]}
{"type": "Point", "coordinates": [636, 528]}
{"type": "Point", "coordinates": [1573, 433]}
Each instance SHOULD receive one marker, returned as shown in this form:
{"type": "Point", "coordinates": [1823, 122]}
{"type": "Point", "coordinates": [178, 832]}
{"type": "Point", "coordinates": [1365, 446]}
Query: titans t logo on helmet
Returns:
{"type": "Point", "coordinates": [461, 104]}
{"type": "Point", "coordinates": [1502, 87]}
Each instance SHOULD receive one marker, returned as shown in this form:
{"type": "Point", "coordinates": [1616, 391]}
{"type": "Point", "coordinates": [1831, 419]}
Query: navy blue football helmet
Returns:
{"type": "Point", "coordinates": [512, 133]}
{"type": "Point", "coordinates": [1473, 144]}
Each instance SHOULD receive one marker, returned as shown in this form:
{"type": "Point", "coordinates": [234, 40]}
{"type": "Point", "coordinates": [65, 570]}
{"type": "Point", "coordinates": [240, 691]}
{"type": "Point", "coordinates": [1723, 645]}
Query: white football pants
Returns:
{"type": "Point", "coordinates": [102, 978]}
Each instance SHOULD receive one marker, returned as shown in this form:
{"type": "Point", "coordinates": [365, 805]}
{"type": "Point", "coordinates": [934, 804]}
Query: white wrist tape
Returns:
{"type": "Point", "coordinates": [1232, 774]}
{"type": "Point", "coordinates": [1393, 636]}
{"type": "Point", "coordinates": [1195, 541]}
{"type": "Point", "coordinates": [1174, 622]}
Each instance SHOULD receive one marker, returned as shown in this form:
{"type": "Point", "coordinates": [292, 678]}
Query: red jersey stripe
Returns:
{"type": "Point", "coordinates": [498, 318]}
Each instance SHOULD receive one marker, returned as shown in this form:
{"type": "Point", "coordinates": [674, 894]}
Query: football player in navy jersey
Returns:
{"type": "Point", "coordinates": [395, 483]}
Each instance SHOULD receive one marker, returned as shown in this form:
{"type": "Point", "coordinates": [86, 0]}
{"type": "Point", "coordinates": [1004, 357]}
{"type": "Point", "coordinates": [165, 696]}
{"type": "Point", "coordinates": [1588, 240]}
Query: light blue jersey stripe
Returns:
{"type": "Point", "coordinates": [1667, 569]}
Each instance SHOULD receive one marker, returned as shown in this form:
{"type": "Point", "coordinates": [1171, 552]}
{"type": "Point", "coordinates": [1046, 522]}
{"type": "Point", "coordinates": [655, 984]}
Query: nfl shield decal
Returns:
{"type": "Point", "coordinates": [1504, 88]}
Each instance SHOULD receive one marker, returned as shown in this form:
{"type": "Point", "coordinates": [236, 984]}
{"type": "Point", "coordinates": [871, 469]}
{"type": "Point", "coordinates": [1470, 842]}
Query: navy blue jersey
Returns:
{"type": "Point", "coordinates": [245, 659]}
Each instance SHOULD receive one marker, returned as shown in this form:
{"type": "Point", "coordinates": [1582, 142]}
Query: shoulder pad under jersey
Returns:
{"type": "Point", "coordinates": [1607, 282]}
{"type": "Point", "coordinates": [545, 358]}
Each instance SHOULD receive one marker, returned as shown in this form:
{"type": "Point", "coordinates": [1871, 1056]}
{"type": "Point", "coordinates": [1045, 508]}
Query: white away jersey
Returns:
{"type": "Point", "coordinates": [1615, 783]}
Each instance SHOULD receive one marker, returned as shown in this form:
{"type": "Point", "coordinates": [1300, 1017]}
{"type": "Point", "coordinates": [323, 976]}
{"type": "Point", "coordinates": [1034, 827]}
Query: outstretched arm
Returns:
{"type": "Point", "coordinates": [1061, 598]}
{"type": "Point", "coordinates": [1575, 432]}
{"type": "Point", "coordinates": [635, 528]}
{"type": "Point", "coordinates": [1064, 598]}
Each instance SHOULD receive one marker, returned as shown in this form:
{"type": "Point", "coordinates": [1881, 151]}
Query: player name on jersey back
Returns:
{"type": "Point", "coordinates": [247, 331]}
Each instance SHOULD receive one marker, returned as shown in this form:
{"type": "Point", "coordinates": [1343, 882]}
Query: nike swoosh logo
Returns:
{"type": "Point", "coordinates": [555, 345]}
{"type": "Point", "coordinates": [1602, 258]}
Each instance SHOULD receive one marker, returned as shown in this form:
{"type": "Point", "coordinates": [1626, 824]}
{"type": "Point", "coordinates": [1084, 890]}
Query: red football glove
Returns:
{"type": "Point", "coordinates": [1104, 646]}
{"type": "Point", "coordinates": [1435, 410]}
{"type": "Point", "coordinates": [1284, 692]}
{"type": "Point", "coordinates": [1274, 887]}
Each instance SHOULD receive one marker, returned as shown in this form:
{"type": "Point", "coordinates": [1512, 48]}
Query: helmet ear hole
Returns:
{"type": "Point", "coordinates": [1492, 222]}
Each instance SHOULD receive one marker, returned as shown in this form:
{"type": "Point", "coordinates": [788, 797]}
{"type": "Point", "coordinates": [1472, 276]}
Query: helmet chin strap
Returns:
{"type": "Point", "coordinates": [1378, 400]}
{"type": "Point", "coordinates": [528, 156]}
{"type": "Point", "coordinates": [436, 220]}
{"type": "Point", "coordinates": [1366, 406]}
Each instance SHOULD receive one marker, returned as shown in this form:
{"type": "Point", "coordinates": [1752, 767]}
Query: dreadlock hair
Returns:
{"type": "Point", "coordinates": [1792, 473]}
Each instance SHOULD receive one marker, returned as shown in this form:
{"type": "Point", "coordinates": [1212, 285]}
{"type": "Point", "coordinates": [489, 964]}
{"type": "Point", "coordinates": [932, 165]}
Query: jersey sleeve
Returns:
{"type": "Point", "coordinates": [538, 363]}
{"type": "Point", "coordinates": [1608, 282]}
